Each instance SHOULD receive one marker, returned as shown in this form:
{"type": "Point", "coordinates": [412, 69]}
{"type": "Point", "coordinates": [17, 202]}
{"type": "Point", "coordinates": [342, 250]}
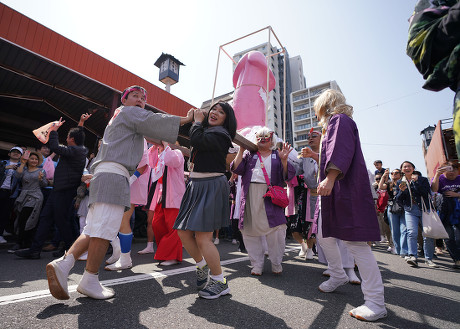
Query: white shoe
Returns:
{"type": "Point", "coordinates": [84, 256]}
{"type": "Point", "coordinates": [303, 250]}
{"type": "Point", "coordinates": [277, 269]}
{"type": "Point", "coordinates": [352, 276]}
{"type": "Point", "coordinates": [90, 286]}
{"type": "Point", "coordinates": [332, 284]}
{"type": "Point", "coordinates": [147, 250]}
{"type": "Point", "coordinates": [2, 240]}
{"type": "Point", "coordinates": [169, 262]}
{"type": "Point", "coordinates": [57, 272]}
{"type": "Point", "coordinates": [309, 254]}
{"type": "Point", "coordinates": [116, 251]}
{"type": "Point", "coordinates": [234, 241]}
{"type": "Point", "coordinates": [366, 314]}
{"type": "Point", "coordinates": [123, 263]}
{"type": "Point", "coordinates": [216, 241]}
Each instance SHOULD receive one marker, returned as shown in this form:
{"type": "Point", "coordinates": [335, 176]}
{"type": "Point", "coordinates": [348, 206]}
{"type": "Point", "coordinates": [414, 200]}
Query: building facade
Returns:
{"type": "Point", "coordinates": [303, 115]}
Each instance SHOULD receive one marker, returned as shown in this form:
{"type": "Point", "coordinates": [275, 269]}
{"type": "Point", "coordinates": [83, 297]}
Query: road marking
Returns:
{"type": "Point", "coordinates": [24, 297]}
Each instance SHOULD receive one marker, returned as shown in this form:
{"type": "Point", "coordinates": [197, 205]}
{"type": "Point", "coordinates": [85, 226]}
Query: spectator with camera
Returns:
{"type": "Point", "coordinates": [9, 187]}
{"type": "Point", "coordinates": [447, 182]}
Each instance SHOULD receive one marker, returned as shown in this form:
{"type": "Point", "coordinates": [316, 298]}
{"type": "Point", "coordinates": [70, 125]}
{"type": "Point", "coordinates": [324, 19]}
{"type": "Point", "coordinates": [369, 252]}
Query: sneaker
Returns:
{"type": "Point", "coordinates": [202, 276]}
{"type": "Point", "coordinates": [309, 254]}
{"type": "Point", "coordinates": [17, 246]}
{"type": "Point", "coordinates": [214, 289]}
{"type": "Point", "coordinates": [364, 313]}
{"type": "Point", "coordinates": [123, 263]}
{"type": "Point", "coordinates": [412, 261]}
{"type": "Point", "coordinates": [2, 240]}
{"type": "Point", "coordinates": [430, 263]}
{"type": "Point", "coordinates": [332, 284]}
{"type": "Point", "coordinates": [234, 241]}
{"type": "Point", "coordinates": [147, 250]}
{"type": "Point", "coordinates": [216, 241]}
{"type": "Point", "coordinates": [405, 257]}
{"type": "Point", "coordinates": [27, 253]}
{"type": "Point", "coordinates": [302, 252]}
{"type": "Point", "coordinates": [57, 272]}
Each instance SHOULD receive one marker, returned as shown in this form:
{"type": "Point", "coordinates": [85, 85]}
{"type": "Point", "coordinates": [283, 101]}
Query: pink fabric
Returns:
{"type": "Point", "coordinates": [139, 189]}
{"type": "Point", "coordinates": [48, 167]}
{"type": "Point", "coordinates": [176, 185]}
{"type": "Point", "coordinates": [250, 82]}
{"type": "Point", "coordinates": [290, 209]}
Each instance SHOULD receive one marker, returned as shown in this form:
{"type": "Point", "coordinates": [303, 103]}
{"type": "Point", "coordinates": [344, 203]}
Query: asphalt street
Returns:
{"type": "Point", "coordinates": [149, 296]}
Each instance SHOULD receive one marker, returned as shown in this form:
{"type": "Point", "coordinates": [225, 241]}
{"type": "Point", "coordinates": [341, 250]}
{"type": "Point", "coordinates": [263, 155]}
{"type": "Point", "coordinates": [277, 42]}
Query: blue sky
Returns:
{"type": "Point", "coordinates": [359, 43]}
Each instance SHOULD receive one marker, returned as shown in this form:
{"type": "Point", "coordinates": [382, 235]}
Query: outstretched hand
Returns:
{"type": "Point", "coordinates": [56, 125]}
{"type": "Point", "coordinates": [284, 153]}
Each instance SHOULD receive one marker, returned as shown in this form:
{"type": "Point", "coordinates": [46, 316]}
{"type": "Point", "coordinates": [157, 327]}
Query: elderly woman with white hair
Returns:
{"type": "Point", "coordinates": [346, 208]}
{"type": "Point", "coordinates": [259, 217]}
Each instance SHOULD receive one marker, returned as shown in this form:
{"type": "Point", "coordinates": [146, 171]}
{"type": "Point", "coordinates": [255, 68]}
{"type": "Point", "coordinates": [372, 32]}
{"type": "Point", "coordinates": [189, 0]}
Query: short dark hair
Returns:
{"type": "Point", "coordinates": [230, 119]}
{"type": "Point", "coordinates": [78, 134]}
{"type": "Point", "coordinates": [413, 166]}
{"type": "Point", "coordinates": [377, 161]}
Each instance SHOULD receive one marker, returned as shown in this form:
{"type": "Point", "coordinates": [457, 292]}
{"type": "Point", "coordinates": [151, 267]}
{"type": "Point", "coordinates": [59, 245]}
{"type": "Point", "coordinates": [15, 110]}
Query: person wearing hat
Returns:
{"type": "Point", "coordinates": [29, 202]}
{"type": "Point", "coordinates": [9, 187]}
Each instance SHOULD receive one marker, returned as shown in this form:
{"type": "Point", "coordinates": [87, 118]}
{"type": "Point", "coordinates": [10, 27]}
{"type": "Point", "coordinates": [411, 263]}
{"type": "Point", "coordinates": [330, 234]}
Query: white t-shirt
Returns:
{"type": "Point", "coordinates": [257, 173]}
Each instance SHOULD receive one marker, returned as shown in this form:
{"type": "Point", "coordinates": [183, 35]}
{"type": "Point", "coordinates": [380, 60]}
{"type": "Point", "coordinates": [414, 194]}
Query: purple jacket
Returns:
{"type": "Point", "coordinates": [275, 214]}
{"type": "Point", "coordinates": [349, 212]}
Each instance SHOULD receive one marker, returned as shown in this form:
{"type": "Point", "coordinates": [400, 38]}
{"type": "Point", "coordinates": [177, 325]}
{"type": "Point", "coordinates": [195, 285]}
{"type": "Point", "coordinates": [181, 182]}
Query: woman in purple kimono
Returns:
{"type": "Point", "coordinates": [346, 208]}
{"type": "Point", "coordinates": [259, 217]}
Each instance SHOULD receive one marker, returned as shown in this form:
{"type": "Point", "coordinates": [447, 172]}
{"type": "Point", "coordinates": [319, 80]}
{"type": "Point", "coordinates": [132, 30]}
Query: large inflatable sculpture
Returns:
{"type": "Point", "coordinates": [250, 97]}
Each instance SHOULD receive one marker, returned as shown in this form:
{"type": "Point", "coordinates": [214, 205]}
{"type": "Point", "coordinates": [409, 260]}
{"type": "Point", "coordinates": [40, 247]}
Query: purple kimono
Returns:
{"type": "Point", "coordinates": [349, 212]}
{"type": "Point", "coordinates": [275, 214]}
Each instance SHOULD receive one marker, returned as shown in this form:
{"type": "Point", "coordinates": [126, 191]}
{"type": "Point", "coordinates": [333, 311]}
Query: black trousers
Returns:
{"type": "Point", "coordinates": [57, 210]}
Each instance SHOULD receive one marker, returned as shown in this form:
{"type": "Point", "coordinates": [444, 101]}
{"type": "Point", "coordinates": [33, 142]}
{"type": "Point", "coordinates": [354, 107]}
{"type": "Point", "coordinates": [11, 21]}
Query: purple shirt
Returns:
{"type": "Point", "coordinates": [349, 212]}
{"type": "Point", "coordinates": [275, 214]}
{"type": "Point", "coordinates": [448, 185]}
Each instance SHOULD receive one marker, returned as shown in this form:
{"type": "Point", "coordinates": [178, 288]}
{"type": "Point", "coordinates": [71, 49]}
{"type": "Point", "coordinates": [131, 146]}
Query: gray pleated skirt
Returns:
{"type": "Point", "coordinates": [205, 206]}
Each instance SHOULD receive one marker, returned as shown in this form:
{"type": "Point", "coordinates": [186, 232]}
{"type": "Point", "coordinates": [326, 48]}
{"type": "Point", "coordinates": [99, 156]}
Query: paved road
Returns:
{"type": "Point", "coordinates": [148, 296]}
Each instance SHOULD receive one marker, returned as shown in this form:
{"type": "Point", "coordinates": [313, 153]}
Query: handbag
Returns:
{"type": "Point", "coordinates": [277, 194]}
{"type": "Point", "coordinates": [396, 208]}
{"type": "Point", "coordinates": [432, 225]}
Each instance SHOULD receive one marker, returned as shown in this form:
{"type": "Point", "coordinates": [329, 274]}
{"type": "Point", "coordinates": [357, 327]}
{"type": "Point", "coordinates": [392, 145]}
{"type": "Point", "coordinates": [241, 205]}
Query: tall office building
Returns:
{"type": "Point", "coordinates": [303, 114]}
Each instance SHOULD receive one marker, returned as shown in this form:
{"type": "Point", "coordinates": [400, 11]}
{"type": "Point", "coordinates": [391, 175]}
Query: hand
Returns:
{"type": "Point", "coordinates": [307, 152]}
{"type": "Point", "coordinates": [84, 117]}
{"type": "Point", "coordinates": [403, 186]}
{"type": "Point", "coordinates": [452, 194]}
{"type": "Point", "coordinates": [284, 153]}
{"type": "Point", "coordinates": [325, 187]}
{"type": "Point", "coordinates": [86, 177]}
{"type": "Point", "coordinates": [386, 173]}
{"type": "Point", "coordinates": [13, 166]}
{"type": "Point", "coordinates": [190, 114]}
{"type": "Point", "coordinates": [56, 125]}
{"type": "Point", "coordinates": [40, 175]}
{"type": "Point", "coordinates": [199, 115]}
{"type": "Point", "coordinates": [440, 171]}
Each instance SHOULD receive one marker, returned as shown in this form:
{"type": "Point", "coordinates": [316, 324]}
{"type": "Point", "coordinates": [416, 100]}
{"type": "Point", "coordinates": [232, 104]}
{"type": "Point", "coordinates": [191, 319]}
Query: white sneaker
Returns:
{"type": "Point", "coordinates": [90, 286]}
{"type": "Point", "coordinates": [2, 240]}
{"type": "Point", "coordinates": [123, 263]}
{"type": "Point", "coordinates": [57, 272]}
{"type": "Point", "coordinates": [366, 314]}
{"type": "Point", "coordinates": [352, 276]}
{"type": "Point", "coordinates": [309, 254]}
{"type": "Point", "coordinates": [116, 251]}
{"type": "Point", "coordinates": [431, 264]}
{"type": "Point", "coordinates": [84, 256]}
{"type": "Point", "coordinates": [234, 241]}
{"type": "Point", "coordinates": [332, 284]}
{"type": "Point", "coordinates": [216, 241]}
{"type": "Point", "coordinates": [169, 262]}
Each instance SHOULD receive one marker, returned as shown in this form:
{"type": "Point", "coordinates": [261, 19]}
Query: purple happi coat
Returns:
{"type": "Point", "coordinates": [275, 214]}
{"type": "Point", "coordinates": [349, 212]}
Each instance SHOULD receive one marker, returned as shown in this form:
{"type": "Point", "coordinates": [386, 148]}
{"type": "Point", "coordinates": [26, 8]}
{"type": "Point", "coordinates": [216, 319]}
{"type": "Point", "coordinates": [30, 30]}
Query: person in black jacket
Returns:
{"type": "Point", "coordinates": [411, 191]}
{"type": "Point", "coordinates": [67, 178]}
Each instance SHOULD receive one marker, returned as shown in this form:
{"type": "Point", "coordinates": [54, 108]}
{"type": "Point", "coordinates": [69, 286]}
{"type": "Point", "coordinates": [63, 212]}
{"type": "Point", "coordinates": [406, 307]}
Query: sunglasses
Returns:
{"type": "Point", "coordinates": [396, 173]}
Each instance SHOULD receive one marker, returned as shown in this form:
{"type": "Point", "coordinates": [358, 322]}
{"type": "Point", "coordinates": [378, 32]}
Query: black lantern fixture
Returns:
{"type": "Point", "coordinates": [169, 70]}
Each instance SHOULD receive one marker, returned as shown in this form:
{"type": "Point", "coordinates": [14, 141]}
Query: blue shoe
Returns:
{"type": "Point", "coordinates": [214, 289]}
{"type": "Point", "coordinates": [202, 276]}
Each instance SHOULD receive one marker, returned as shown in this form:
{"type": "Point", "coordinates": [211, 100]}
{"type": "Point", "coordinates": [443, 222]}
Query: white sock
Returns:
{"type": "Point", "coordinates": [201, 263]}
{"type": "Point", "coordinates": [219, 277]}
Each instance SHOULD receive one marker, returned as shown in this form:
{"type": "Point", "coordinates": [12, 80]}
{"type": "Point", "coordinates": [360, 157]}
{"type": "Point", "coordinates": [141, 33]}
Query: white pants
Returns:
{"type": "Point", "coordinates": [276, 242]}
{"type": "Point", "coordinates": [371, 285]}
{"type": "Point", "coordinates": [103, 220]}
{"type": "Point", "coordinates": [347, 258]}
